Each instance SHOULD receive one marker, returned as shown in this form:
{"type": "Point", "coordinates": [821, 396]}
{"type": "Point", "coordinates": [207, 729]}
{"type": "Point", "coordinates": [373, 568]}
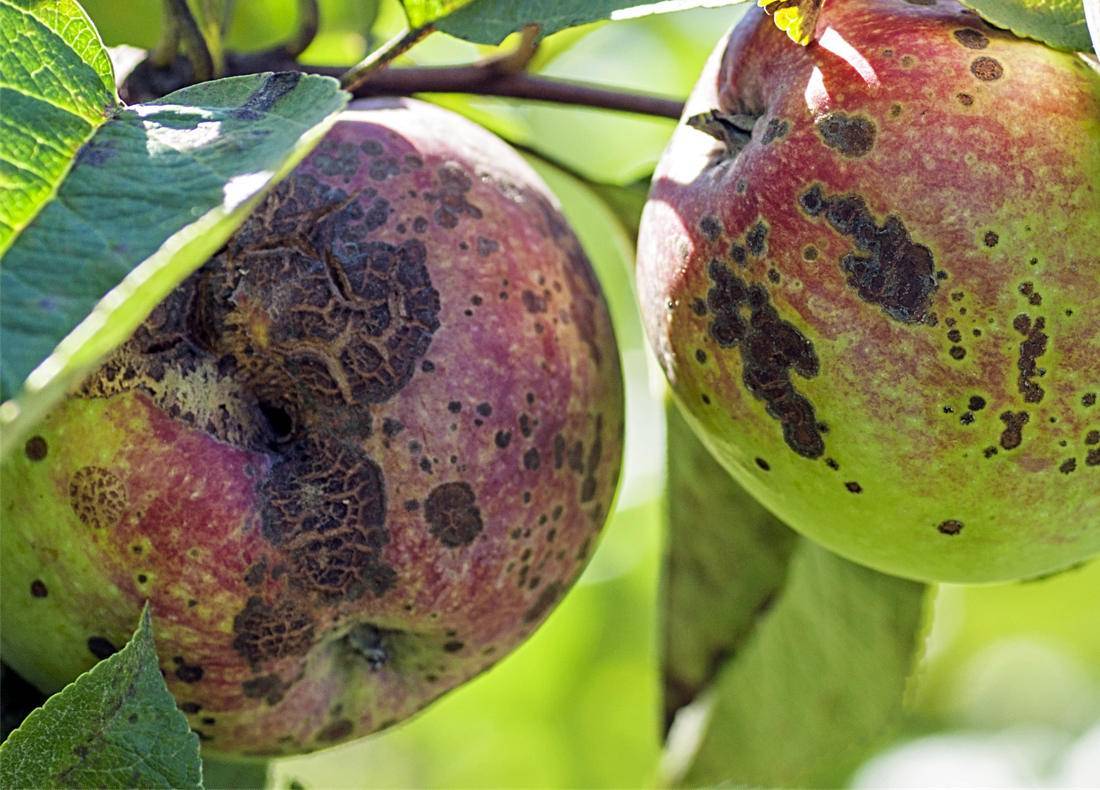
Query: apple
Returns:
{"type": "Point", "coordinates": [352, 461]}
{"type": "Point", "coordinates": [870, 268]}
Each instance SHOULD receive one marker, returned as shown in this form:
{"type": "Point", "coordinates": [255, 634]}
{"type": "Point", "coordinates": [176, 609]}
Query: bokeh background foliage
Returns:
{"type": "Point", "coordinates": [1008, 689]}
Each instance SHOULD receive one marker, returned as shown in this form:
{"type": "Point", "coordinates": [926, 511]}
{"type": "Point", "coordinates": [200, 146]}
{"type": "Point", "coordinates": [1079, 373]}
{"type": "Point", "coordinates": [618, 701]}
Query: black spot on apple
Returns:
{"type": "Point", "coordinates": [325, 507]}
{"type": "Point", "coordinates": [97, 496]}
{"type": "Point", "coordinates": [264, 632]}
{"type": "Point", "coordinates": [38, 589]}
{"type": "Point", "coordinates": [1067, 466]}
{"type": "Point", "coordinates": [763, 464]}
{"type": "Point", "coordinates": [1014, 423]}
{"type": "Point", "coordinates": [854, 487]}
{"type": "Point", "coordinates": [36, 448]}
{"type": "Point", "coordinates": [710, 227]}
{"type": "Point", "coordinates": [950, 527]}
{"type": "Point", "coordinates": [756, 239]}
{"type": "Point", "coordinates": [770, 348]}
{"type": "Point", "coordinates": [851, 135]}
{"type": "Point", "coordinates": [187, 673]}
{"type": "Point", "coordinates": [269, 688]}
{"type": "Point", "coordinates": [336, 731]}
{"type": "Point", "coordinates": [971, 38]}
{"type": "Point", "coordinates": [452, 514]}
{"type": "Point", "coordinates": [1033, 346]}
{"type": "Point", "coordinates": [776, 128]}
{"type": "Point", "coordinates": [990, 239]}
{"type": "Point", "coordinates": [894, 272]}
{"type": "Point", "coordinates": [550, 593]}
{"type": "Point", "coordinates": [965, 99]}
{"type": "Point", "coordinates": [987, 69]}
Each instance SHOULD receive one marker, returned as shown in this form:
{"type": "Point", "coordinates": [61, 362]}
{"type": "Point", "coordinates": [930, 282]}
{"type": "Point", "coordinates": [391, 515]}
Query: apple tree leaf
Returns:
{"type": "Point", "coordinates": [797, 18]}
{"type": "Point", "coordinates": [819, 685]}
{"type": "Point", "coordinates": [1057, 23]}
{"type": "Point", "coordinates": [138, 197]}
{"type": "Point", "coordinates": [725, 562]}
{"type": "Point", "coordinates": [114, 726]}
{"type": "Point", "coordinates": [56, 88]}
{"type": "Point", "coordinates": [490, 21]}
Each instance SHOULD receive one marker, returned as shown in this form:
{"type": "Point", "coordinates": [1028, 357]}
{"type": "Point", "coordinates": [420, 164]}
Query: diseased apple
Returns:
{"type": "Point", "coordinates": [871, 271]}
{"type": "Point", "coordinates": [352, 461]}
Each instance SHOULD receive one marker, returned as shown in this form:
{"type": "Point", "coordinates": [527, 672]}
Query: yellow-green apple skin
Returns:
{"type": "Point", "coordinates": [351, 462]}
{"type": "Point", "coordinates": [870, 269]}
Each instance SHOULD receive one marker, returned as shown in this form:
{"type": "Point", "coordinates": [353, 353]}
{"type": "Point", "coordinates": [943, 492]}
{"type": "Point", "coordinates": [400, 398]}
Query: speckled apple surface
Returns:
{"type": "Point", "coordinates": [871, 271]}
{"type": "Point", "coordinates": [352, 462]}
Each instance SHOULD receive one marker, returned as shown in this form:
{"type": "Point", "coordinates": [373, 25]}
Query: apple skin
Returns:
{"type": "Point", "coordinates": [352, 462]}
{"type": "Point", "coordinates": [882, 314]}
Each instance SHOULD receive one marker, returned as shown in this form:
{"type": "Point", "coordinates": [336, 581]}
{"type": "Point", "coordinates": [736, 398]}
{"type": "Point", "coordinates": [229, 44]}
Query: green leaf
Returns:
{"type": "Point", "coordinates": [234, 774]}
{"type": "Point", "coordinates": [152, 195]}
{"type": "Point", "coordinates": [820, 684]}
{"type": "Point", "coordinates": [114, 726]}
{"type": "Point", "coordinates": [490, 21]}
{"type": "Point", "coordinates": [56, 88]}
{"type": "Point", "coordinates": [1057, 23]}
{"type": "Point", "coordinates": [726, 560]}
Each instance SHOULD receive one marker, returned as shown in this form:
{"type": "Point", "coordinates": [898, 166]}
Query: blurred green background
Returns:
{"type": "Point", "coordinates": [1008, 693]}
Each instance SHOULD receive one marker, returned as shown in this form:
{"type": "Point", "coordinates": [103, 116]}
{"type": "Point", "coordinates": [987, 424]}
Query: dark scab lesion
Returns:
{"type": "Point", "coordinates": [550, 593]}
{"type": "Point", "coordinates": [950, 527]}
{"type": "Point", "coordinates": [325, 509]}
{"type": "Point", "coordinates": [851, 135]}
{"type": "Point", "coordinates": [36, 448]}
{"type": "Point", "coordinates": [1033, 346]}
{"type": "Point", "coordinates": [270, 688]}
{"type": "Point", "coordinates": [756, 239]}
{"type": "Point", "coordinates": [336, 731]}
{"type": "Point", "coordinates": [771, 349]}
{"type": "Point", "coordinates": [775, 129]}
{"type": "Point", "coordinates": [97, 496]}
{"type": "Point", "coordinates": [453, 516]}
{"type": "Point", "coordinates": [454, 184]}
{"type": "Point", "coordinates": [1014, 423]}
{"type": "Point", "coordinates": [986, 69]}
{"type": "Point", "coordinates": [893, 272]}
{"type": "Point", "coordinates": [710, 227]}
{"type": "Point", "coordinates": [187, 673]}
{"type": "Point", "coordinates": [971, 38]}
{"type": "Point", "coordinates": [267, 631]}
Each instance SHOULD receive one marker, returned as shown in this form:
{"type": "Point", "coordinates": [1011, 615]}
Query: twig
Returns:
{"type": "Point", "coordinates": [169, 43]}
{"type": "Point", "coordinates": [202, 63]}
{"type": "Point", "coordinates": [381, 57]}
{"type": "Point", "coordinates": [479, 80]}
{"type": "Point", "coordinates": [308, 21]}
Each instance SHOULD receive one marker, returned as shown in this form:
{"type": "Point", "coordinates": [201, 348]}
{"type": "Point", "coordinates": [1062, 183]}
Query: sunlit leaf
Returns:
{"type": "Point", "coordinates": [1057, 23]}
{"type": "Point", "coordinates": [819, 685]}
{"type": "Point", "coordinates": [726, 559]}
{"type": "Point", "coordinates": [114, 726]}
{"type": "Point", "coordinates": [489, 21]}
{"type": "Point", "coordinates": [152, 194]}
{"type": "Point", "coordinates": [56, 89]}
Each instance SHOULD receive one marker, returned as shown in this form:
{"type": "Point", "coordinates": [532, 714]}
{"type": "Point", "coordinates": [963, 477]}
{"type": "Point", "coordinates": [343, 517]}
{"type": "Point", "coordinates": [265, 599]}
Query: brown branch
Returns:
{"type": "Point", "coordinates": [483, 80]}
